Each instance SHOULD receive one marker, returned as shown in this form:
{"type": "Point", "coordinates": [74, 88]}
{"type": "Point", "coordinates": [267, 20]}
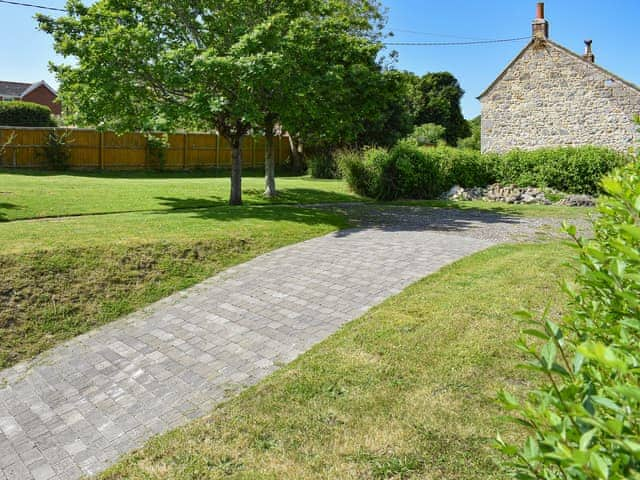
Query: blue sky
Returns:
{"type": "Point", "coordinates": [611, 24]}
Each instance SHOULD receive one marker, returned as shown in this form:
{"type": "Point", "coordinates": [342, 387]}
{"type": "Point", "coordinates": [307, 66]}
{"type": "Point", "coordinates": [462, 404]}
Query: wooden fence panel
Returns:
{"type": "Point", "coordinates": [85, 149]}
{"type": "Point", "coordinates": [91, 149]}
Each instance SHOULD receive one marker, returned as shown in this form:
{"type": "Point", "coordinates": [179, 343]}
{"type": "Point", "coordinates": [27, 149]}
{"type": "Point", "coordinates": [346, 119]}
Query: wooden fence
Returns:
{"type": "Point", "coordinates": [91, 149]}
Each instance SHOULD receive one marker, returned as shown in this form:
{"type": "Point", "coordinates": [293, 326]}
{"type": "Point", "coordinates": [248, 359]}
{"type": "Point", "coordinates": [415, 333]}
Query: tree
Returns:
{"type": "Point", "coordinates": [439, 103]}
{"type": "Point", "coordinates": [223, 65]}
{"type": "Point", "coordinates": [472, 142]}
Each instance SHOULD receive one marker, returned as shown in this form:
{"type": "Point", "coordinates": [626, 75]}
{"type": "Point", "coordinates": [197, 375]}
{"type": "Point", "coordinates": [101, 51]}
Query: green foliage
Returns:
{"type": "Point", "coordinates": [429, 134]}
{"type": "Point", "coordinates": [228, 66]}
{"type": "Point", "coordinates": [25, 114]}
{"type": "Point", "coordinates": [473, 142]}
{"type": "Point", "coordinates": [409, 171]}
{"type": "Point", "coordinates": [56, 152]}
{"type": "Point", "coordinates": [438, 101]}
{"type": "Point", "coordinates": [568, 169]}
{"type": "Point", "coordinates": [322, 164]}
{"type": "Point", "coordinates": [156, 151]}
{"type": "Point", "coordinates": [584, 420]}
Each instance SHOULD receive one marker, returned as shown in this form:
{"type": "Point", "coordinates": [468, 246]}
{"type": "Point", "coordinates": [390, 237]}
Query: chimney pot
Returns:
{"type": "Point", "coordinates": [588, 52]}
{"type": "Point", "coordinates": [540, 11]}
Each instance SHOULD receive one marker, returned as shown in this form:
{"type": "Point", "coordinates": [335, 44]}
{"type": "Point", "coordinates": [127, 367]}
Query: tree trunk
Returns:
{"type": "Point", "coordinates": [269, 163]}
{"type": "Point", "coordinates": [297, 155]}
{"type": "Point", "coordinates": [236, 171]}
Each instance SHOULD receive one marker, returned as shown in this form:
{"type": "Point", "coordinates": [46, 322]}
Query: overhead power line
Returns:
{"type": "Point", "coordinates": [31, 5]}
{"type": "Point", "coordinates": [432, 34]}
{"type": "Point", "coordinates": [453, 44]}
{"type": "Point", "coordinates": [391, 44]}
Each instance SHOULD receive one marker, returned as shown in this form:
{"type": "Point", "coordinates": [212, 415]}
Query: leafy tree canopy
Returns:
{"type": "Point", "coordinates": [438, 101]}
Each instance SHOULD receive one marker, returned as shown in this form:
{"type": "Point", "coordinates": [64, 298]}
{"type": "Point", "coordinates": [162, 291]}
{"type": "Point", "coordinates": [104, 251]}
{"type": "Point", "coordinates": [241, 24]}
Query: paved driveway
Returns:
{"type": "Point", "coordinates": [76, 409]}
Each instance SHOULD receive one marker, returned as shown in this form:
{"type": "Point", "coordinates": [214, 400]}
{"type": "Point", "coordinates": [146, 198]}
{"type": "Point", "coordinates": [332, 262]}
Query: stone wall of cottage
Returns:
{"type": "Point", "coordinates": [552, 98]}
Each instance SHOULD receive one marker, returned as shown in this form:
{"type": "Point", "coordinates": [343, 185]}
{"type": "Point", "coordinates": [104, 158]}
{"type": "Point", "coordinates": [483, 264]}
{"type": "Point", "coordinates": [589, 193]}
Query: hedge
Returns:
{"type": "Point", "coordinates": [571, 170]}
{"type": "Point", "coordinates": [413, 172]}
{"type": "Point", "coordinates": [25, 114]}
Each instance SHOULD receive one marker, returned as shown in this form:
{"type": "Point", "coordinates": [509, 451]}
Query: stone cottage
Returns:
{"type": "Point", "coordinates": [550, 96]}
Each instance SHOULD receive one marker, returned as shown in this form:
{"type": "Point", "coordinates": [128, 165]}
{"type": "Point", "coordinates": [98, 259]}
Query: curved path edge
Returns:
{"type": "Point", "coordinates": [75, 410]}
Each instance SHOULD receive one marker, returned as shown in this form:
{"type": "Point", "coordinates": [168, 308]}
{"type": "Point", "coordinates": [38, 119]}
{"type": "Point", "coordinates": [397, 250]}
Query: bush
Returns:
{"type": "Point", "coordinates": [467, 168]}
{"type": "Point", "coordinates": [428, 134]}
{"type": "Point", "coordinates": [322, 164]}
{"type": "Point", "coordinates": [156, 151]}
{"type": "Point", "coordinates": [56, 151]}
{"type": "Point", "coordinates": [409, 171]}
{"type": "Point", "coordinates": [369, 172]}
{"type": "Point", "coordinates": [584, 420]}
{"type": "Point", "coordinates": [571, 170]}
{"type": "Point", "coordinates": [418, 172]}
{"type": "Point", "coordinates": [25, 114]}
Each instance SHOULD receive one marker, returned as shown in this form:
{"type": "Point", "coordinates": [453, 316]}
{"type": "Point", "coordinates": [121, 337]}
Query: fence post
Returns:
{"type": "Point", "coordinates": [185, 150]}
{"type": "Point", "coordinates": [101, 150]}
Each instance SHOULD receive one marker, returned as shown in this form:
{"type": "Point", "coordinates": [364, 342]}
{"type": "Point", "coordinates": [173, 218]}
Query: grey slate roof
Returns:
{"type": "Point", "coordinates": [13, 89]}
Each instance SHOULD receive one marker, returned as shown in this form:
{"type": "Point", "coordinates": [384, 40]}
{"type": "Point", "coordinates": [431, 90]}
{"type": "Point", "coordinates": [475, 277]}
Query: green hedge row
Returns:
{"type": "Point", "coordinates": [413, 172]}
{"type": "Point", "coordinates": [25, 114]}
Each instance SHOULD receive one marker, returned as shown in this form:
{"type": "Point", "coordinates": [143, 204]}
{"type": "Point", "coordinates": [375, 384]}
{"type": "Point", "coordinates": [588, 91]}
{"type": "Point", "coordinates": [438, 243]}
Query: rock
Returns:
{"type": "Point", "coordinates": [578, 201]}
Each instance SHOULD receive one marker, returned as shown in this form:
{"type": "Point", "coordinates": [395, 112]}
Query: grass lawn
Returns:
{"type": "Point", "coordinates": [35, 194]}
{"type": "Point", "coordinates": [63, 277]}
{"type": "Point", "coordinates": [405, 392]}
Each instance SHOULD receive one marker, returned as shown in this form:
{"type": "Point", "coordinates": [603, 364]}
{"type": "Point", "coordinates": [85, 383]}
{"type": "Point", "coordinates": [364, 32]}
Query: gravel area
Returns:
{"type": "Point", "coordinates": [478, 224]}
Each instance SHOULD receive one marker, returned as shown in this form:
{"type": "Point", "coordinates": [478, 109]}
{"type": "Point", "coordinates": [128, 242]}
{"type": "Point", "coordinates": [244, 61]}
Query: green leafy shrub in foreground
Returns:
{"type": "Point", "coordinates": [584, 420]}
{"type": "Point", "coordinates": [25, 114]}
{"type": "Point", "coordinates": [568, 169]}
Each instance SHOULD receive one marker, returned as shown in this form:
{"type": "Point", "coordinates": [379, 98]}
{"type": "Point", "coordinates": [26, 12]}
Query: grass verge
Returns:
{"type": "Point", "coordinates": [407, 391]}
{"type": "Point", "coordinates": [61, 278]}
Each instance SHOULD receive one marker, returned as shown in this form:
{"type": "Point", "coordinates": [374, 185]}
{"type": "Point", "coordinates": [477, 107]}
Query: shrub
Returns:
{"type": "Point", "coordinates": [418, 172]}
{"type": "Point", "coordinates": [429, 134]}
{"type": "Point", "coordinates": [56, 151]}
{"type": "Point", "coordinates": [322, 164]}
{"type": "Point", "coordinates": [25, 114]}
{"type": "Point", "coordinates": [368, 172]}
{"type": "Point", "coordinates": [572, 170]}
{"type": "Point", "coordinates": [467, 168]}
{"type": "Point", "coordinates": [156, 151]}
{"type": "Point", "coordinates": [585, 418]}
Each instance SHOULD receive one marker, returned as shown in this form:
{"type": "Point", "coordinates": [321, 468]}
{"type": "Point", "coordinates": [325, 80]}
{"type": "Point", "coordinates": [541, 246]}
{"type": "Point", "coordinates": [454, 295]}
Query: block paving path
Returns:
{"type": "Point", "coordinates": [76, 409]}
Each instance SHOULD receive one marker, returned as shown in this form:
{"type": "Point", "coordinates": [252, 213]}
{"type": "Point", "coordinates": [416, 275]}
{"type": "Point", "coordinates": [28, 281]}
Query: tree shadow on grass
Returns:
{"type": "Point", "coordinates": [291, 196]}
{"type": "Point", "coordinates": [350, 218]}
{"type": "Point", "coordinates": [6, 206]}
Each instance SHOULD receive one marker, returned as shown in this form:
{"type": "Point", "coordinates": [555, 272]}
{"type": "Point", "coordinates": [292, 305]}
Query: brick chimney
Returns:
{"type": "Point", "coordinates": [588, 53]}
{"type": "Point", "coordinates": [540, 24]}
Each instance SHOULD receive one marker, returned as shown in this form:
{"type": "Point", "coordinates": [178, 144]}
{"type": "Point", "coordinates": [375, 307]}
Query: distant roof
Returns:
{"type": "Point", "coordinates": [565, 50]}
{"type": "Point", "coordinates": [20, 89]}
{"type": "Point", "coordinates": [13, 89]}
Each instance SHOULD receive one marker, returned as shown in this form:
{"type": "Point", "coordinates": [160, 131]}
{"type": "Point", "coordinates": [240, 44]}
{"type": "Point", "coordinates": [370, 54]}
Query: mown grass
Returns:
{"type": "Point", "coordinates": [405, 392]}
{"type": "Point", "coordinates": [61, 278]}
{"type": "Point", "coordinates": [37, 194]}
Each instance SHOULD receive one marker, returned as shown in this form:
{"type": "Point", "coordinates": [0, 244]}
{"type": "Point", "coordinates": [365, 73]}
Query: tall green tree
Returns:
{"type": "Point", "coordinates": [438, 102]}
{"type": "Point", "coordinates": [216, 65]}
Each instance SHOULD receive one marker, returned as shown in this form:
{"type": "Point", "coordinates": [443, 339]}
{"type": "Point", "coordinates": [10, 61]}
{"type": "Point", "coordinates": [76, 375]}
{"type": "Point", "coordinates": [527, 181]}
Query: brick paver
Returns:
{"type": "Point", "coordinates": [76, 409]}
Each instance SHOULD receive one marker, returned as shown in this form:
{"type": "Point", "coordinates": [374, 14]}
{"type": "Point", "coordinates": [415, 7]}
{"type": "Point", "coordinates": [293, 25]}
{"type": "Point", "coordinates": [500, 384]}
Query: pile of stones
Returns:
{"type": "Point", "coordinates": [516, 195]}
